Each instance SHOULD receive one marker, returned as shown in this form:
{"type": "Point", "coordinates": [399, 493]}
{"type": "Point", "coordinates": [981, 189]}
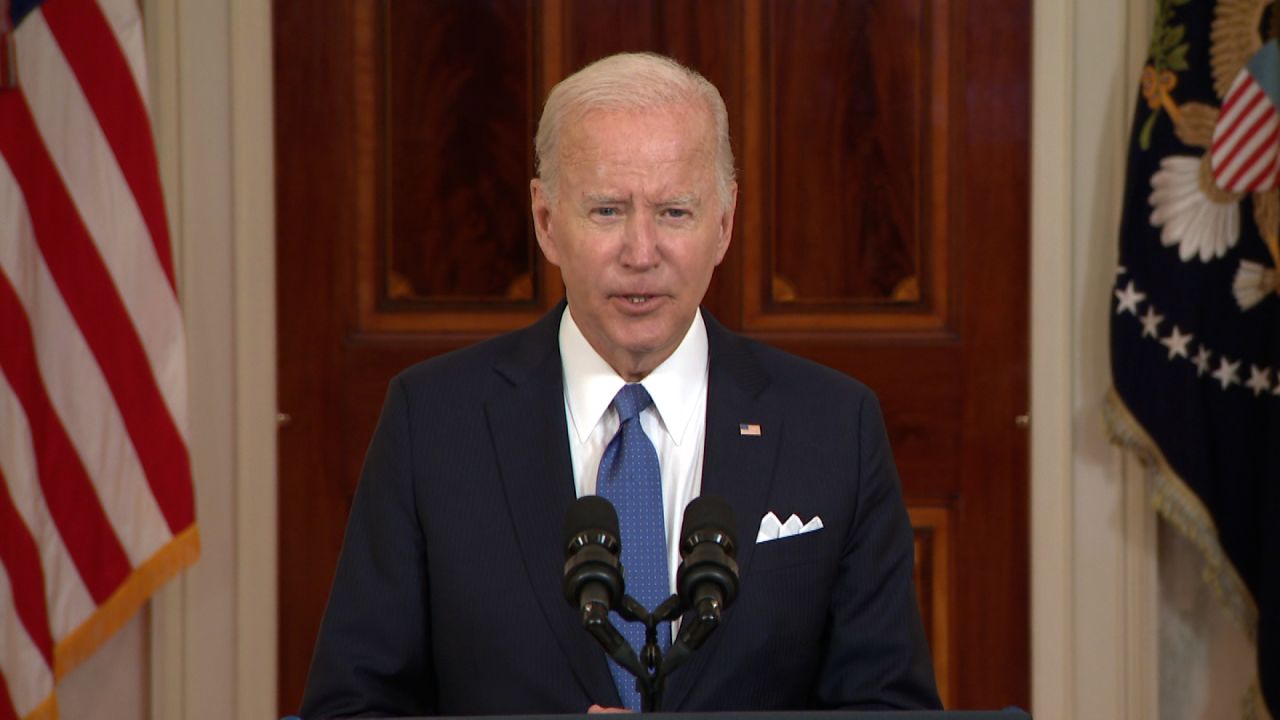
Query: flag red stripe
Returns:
{"type": "Point", "coordinates": [1253, 101]}
{"type": "Point", "coordinates": [91, 49]}
{"type": "Point", "coordinates": [7, 710]}
{"type": "Point", "coordinates": [73, 502]}
{"type": "Point", "coordinates": [21, 561]}
{"type": "Point", "coordinates": [1243, 136]}
{"type": "Point", "coordinates": [94, 302]}
{"type": "Point", "coordinates": [1267, 145]}
{"type": "Point", "coordinates": [1248, 91]}
{"type": "Point", "coordinates": [1234, 95]}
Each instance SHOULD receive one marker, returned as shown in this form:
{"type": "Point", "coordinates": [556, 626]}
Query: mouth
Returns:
{"type": "Point", "coordinates": [636, 301]}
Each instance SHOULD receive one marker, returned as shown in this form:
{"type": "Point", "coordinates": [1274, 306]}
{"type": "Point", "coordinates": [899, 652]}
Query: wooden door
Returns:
{"type": "Point", "coordinates": [882, 230]}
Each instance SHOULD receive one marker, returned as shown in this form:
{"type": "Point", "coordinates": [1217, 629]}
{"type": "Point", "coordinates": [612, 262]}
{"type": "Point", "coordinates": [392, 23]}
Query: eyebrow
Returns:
{"type": "Point", "coordinates": [690, 199]}
{"type": "Point", "coordinates": [601, 198]}
{"type": "Point", "coordinates": [686, 199]}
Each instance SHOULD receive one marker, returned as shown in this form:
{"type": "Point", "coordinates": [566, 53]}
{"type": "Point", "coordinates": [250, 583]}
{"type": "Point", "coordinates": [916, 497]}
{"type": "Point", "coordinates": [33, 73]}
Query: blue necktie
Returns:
{"type": "Point", "coordinates": [629, 478]}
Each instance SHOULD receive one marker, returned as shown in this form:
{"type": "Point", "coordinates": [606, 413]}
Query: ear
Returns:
{"type": "Point", "coordinates": [726, 223]}
{"type": "Point", "coordinates": [541, 205]}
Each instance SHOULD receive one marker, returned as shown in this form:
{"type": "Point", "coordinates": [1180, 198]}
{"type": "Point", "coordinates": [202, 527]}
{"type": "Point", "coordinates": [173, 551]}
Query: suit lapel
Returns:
{"type": "Point", "coordinates": [737, 468]}
{"type": "Point", "coordinates": [530, 440]}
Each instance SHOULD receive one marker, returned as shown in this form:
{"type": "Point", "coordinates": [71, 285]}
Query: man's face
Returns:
{"type": "Point", "coordinates": [636, 229]}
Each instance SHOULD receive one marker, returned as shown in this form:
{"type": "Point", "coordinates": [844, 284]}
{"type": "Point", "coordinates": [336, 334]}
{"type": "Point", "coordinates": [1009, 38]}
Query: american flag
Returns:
{"type": "Point", "coordinates": [96, 504]}
{"type": "Point", "coordinates": [1245, 155]}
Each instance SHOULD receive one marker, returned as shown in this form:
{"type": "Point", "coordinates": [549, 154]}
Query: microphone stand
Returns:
{"type": "Point", "coordinates": [650, 668]}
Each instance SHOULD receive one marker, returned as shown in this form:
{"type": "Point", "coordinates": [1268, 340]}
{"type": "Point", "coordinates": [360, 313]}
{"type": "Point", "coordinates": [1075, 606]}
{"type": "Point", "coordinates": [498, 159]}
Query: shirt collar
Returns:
{"type": "Point", "coordinates": [675, 386]}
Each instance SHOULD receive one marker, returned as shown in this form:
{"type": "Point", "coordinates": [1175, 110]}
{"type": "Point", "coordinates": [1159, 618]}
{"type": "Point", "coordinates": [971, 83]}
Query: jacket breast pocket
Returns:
{"type": "Point", "coordinates": [810, 547]}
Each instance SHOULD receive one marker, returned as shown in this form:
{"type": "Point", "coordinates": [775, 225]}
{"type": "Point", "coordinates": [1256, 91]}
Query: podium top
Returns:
{"type": "Point", "coordinates": [1006, 714]}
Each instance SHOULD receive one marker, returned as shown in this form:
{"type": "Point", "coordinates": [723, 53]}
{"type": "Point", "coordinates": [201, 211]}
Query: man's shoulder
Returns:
{"type": "Point", "coordinates": [804, 371]}
{"type": "Point", "coordinates": [793, 375]}
{"type": "Point", "coordinates": [475, 360]}
{"type": "Point", "coordinates": [477, 366]}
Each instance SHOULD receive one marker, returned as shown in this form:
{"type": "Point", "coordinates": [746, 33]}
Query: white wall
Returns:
{"type": "Point", "coordinates": [1093, 560]}
{"type": "Point", "coordinates": [213, 631]}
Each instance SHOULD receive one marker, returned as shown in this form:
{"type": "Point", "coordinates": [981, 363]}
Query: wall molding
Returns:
{"type": "Point", "coordinates": [1094, 635]}
{"type": "Point", "coordinates": [213, 630]}
{"type": "Point", "coordinates": [253, 197]}
{"type": "Point", "coordinates": [1052, 538]}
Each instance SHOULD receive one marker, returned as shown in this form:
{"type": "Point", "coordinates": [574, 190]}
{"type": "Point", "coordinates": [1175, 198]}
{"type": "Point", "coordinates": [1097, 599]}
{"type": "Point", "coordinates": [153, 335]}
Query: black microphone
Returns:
{"type": "Point", "coordinates": [593, 576]}
{"type": "Point", "coordinates": [707, 580]}
{"type": "Point", "coordinates": [592, 572]}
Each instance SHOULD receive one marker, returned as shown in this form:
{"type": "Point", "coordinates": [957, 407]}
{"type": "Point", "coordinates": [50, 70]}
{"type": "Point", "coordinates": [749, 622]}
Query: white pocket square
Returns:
{"type": "Point", "coordinates": [771, 528]}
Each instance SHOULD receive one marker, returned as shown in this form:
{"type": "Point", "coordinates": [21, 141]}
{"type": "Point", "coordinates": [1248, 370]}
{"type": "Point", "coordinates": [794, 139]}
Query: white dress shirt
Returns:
{"type": "Point", "coordinates": [676, 422]}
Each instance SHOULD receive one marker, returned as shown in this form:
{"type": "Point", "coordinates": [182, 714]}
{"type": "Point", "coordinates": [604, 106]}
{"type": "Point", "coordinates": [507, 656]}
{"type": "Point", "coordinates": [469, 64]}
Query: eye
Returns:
{"type": "Point", "coordinates": [676, 213]}
{"type": "Point", "coordinates": [605, 212]}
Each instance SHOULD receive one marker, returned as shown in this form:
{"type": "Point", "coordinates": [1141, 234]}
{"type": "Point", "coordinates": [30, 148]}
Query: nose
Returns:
{"type": "Point", "coordinates": [640, 243]}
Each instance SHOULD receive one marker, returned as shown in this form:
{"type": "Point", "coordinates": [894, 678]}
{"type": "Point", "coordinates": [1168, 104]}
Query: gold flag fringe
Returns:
{"type": "Point", "coordinates": [177, 555]}
{"type": "Point", "coordinates": [1182, 509]}
{"type": "Point", "coordinates": [47, 710]}
{"type": "Point", "coordinates": [1254, 705]}
{"type": "Point", "coordinates": [173, 558]}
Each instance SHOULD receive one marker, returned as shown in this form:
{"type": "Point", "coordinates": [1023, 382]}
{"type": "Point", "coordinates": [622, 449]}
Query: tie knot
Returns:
{"type": "Point", "coordinates": [630, 400]}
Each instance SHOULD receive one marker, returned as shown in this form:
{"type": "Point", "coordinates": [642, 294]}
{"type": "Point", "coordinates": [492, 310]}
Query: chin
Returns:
{"type": "Point", "coordinates": [646, 336]}
{"type": "Point", "coordinates": [646, 349]}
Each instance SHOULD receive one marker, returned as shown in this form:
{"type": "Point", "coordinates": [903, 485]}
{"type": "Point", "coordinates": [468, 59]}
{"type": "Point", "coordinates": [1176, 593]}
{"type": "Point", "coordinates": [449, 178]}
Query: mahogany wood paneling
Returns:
{"type": "Point", "coordinates": [457, 110]}
{"type": "Point", "coordinates": [933, 572]}
{"type": "Point", "coordinates": [848, 161]}
{"type": "Point", "coordinates": [446, 95]}
{"type": "Point", "coordinates": [596, 28]}
{"type": "Point", "coordinates": [992, 131]}
{"type": "Point", "coordinates": [316, 185]}
{"type": "Point", "coordinates": [847, 130]}
{"type": "Point", "coordinates": [882, 149]}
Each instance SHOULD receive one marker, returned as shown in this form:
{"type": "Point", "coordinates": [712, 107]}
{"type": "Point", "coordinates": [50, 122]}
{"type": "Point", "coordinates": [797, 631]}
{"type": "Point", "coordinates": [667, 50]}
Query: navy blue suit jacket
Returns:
{"type": "Point", "coordinates": [447, 598]}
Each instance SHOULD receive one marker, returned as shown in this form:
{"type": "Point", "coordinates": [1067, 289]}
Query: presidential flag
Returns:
{"type": "Point", "coordinates": [96, 504]}
{"type": "Point", "coordinates": [1195, 320]}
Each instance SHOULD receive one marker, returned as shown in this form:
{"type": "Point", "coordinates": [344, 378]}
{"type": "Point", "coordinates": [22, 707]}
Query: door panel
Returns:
{"type": "Point", "coordinates": [882, 230]}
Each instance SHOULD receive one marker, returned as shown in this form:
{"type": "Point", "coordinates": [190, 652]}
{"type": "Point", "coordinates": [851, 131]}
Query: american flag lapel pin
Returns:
{"type": "Point", "coordinates": [749, 429]}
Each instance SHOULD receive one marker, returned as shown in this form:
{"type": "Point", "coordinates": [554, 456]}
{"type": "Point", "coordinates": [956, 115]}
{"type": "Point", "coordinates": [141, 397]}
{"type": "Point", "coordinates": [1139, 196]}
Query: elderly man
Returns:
{"type": "Point", "coordinates": [448, 593]}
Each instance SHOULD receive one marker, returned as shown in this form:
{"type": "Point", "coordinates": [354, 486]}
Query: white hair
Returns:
{"type": "Point", "coordinates": [629, 81]}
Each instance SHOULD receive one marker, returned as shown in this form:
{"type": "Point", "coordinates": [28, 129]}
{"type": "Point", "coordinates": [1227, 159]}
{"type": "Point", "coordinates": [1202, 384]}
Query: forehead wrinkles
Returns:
{"type": "Point", "coordinates": [633, 154]}
{"type": "Point", "coordinates": [651, 188]}
{"type": "Point", "coordinates": [661, 155]}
